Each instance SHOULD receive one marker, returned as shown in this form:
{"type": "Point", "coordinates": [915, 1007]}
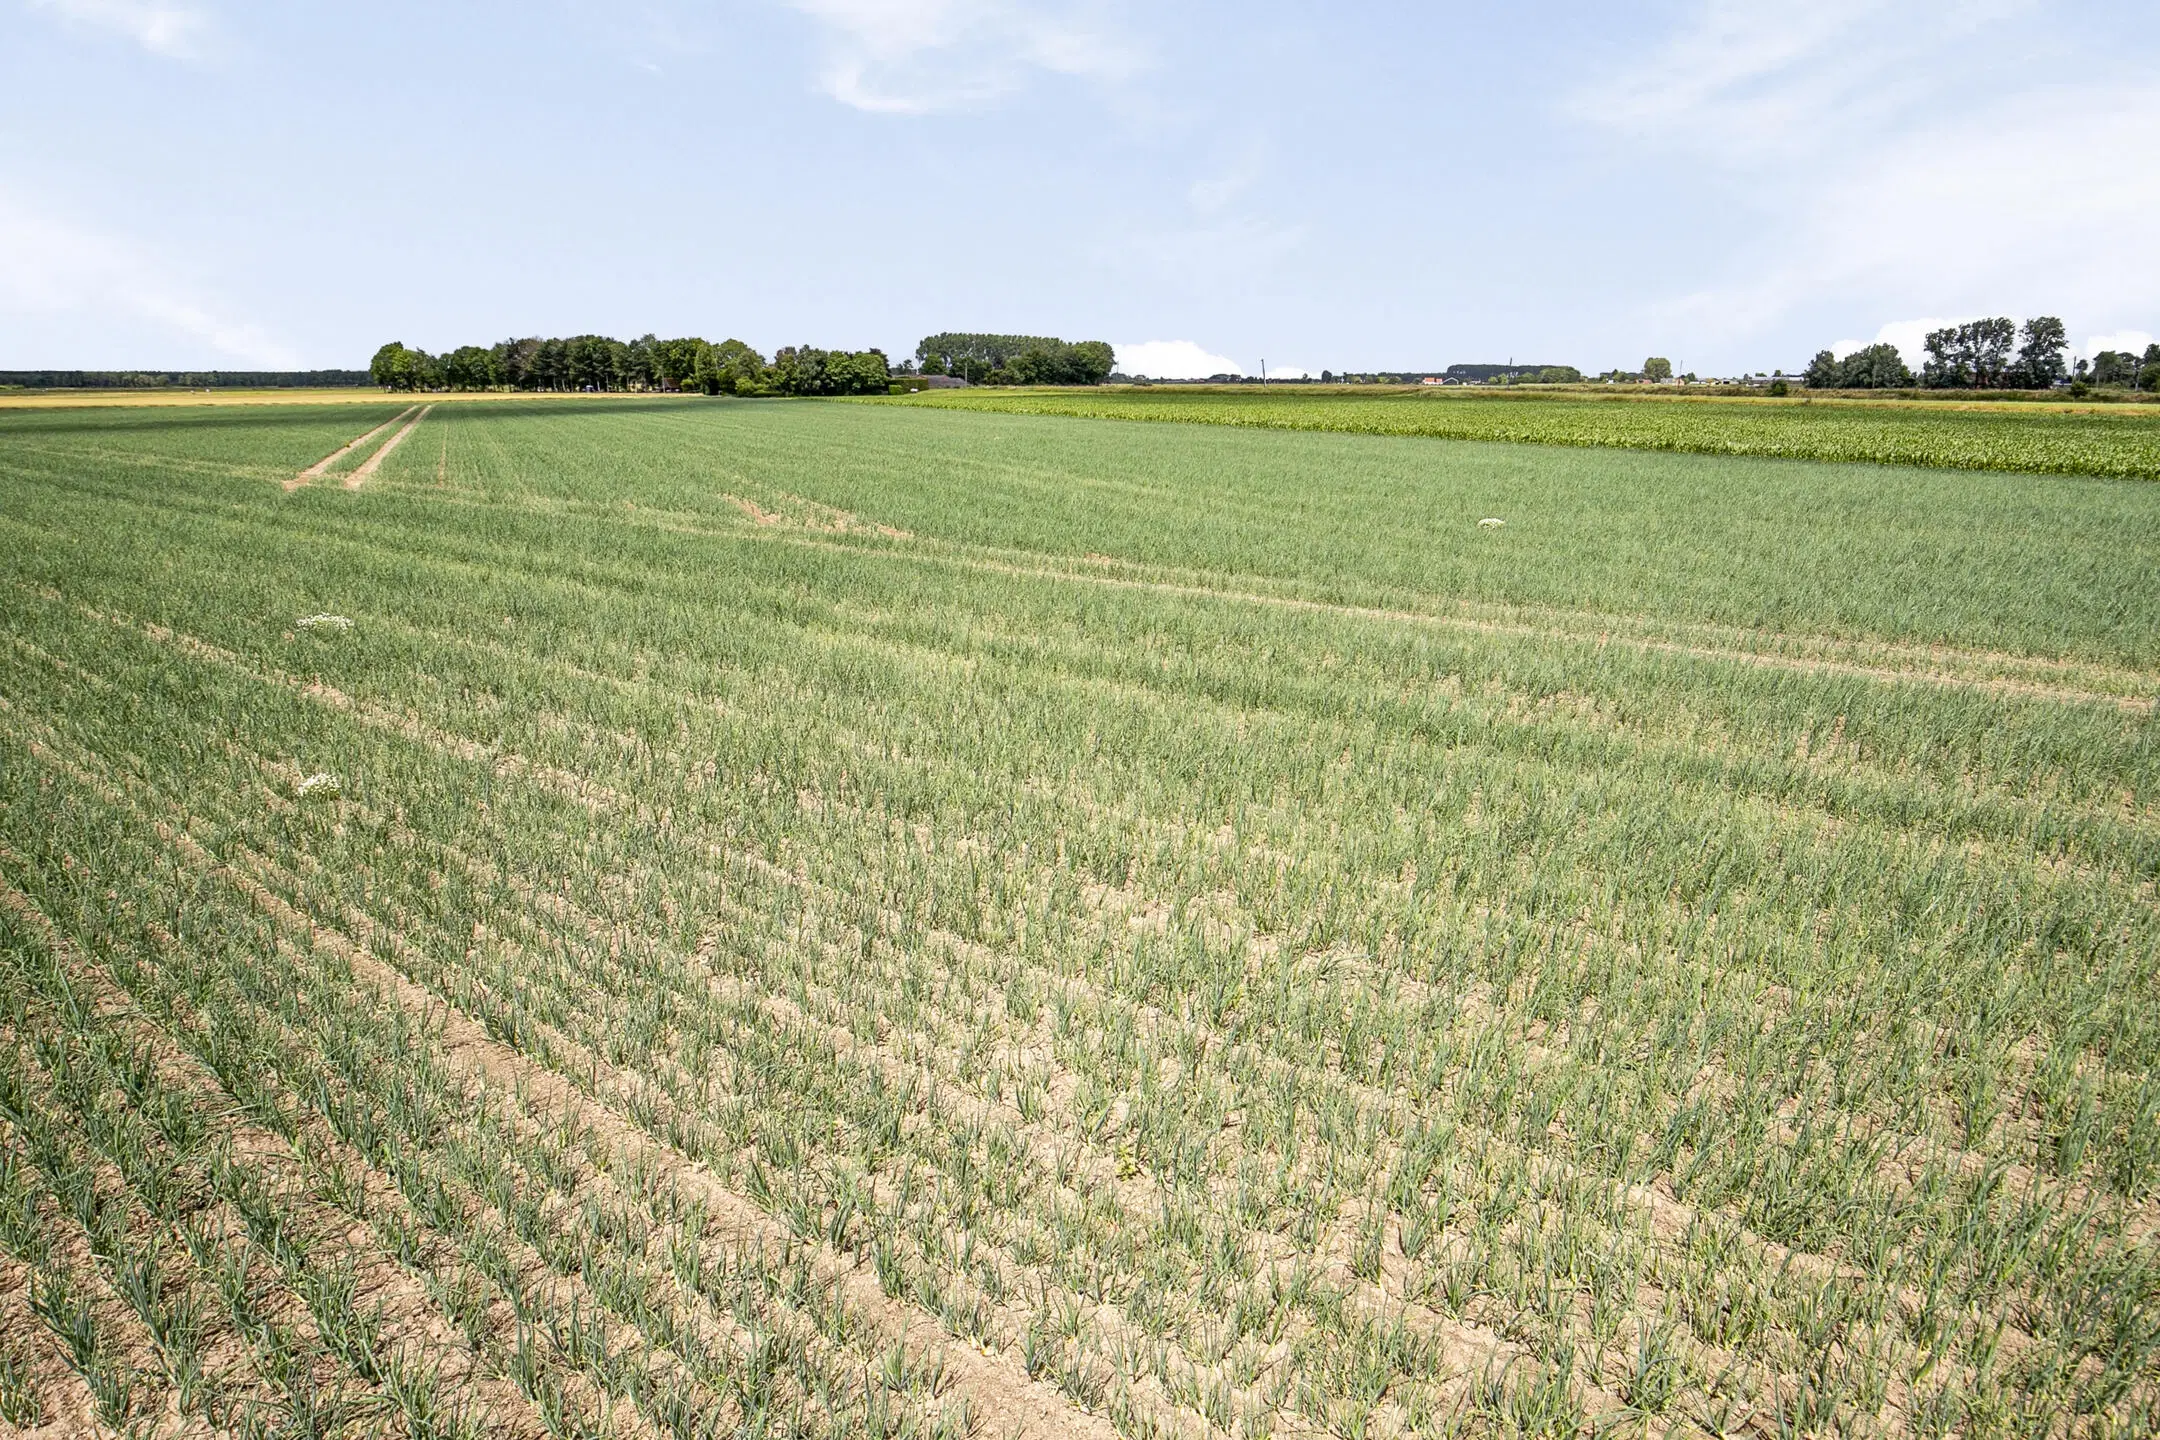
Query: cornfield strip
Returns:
{"type": "Point", "coordinates": [2117, 442]}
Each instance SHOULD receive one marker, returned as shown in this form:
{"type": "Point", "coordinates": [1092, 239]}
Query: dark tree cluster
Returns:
{"type": "Point", "coordinates": [1877, 367]}
{"type": "Point", "coordinates": [598, 363]}
{"type": "Point", "coordinates": [1509, 374]}
{"type": "Point", "coordinates": [1016, 359]}
{"type": "Point", "coordinates": [2121, 367]}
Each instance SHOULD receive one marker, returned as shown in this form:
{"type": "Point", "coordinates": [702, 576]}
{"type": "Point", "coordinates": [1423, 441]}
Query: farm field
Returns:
{"type": "Point", "coordinates": [2070, 439]}
{"type": "Point", "coordinates": [697, 918]}
{"type": "Point", "coordinates": [37, 399]}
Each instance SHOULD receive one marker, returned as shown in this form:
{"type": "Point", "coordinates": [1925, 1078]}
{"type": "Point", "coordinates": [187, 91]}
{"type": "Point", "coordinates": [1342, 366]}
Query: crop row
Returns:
{"type": "Point", "coordinates": [2041, 442]}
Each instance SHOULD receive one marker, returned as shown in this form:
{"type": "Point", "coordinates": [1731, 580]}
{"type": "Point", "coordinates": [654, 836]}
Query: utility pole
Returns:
{"type": "Point", "coordinates": [1263, 370]}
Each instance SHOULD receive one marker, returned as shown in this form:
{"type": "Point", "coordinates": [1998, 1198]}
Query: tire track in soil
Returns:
{"type": "Point", "coordinates": [322, 466]}
{"type": "Point", "coordinates": [1939, 676]}
{"type": "Point", "coordinates": [1894, 662]}
{"type": "Point", "coordinates": [373, 463]}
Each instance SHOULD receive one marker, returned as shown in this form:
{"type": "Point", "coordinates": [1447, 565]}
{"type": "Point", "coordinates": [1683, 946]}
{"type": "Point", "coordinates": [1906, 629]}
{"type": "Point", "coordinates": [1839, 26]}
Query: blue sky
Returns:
{"type": "Point", "coordinates": [221, 183]}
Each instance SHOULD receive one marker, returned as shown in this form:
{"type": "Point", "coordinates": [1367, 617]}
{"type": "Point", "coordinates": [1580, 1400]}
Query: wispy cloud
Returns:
{"type": "Point", "coordinates": [1736, 82]}
{"type": "Point", "coordinates": [914, 57]}
{"type": "Point", "coordinates": [50, 265]}
{"type": "Point", "coordinates": [1854, 133]}
{"type": "Point", "coordinates": [1214, 194]}
{"type": "Point", "coordinates": [162, 28]}
{"type": "Point", "coordinates": [2023, 211]}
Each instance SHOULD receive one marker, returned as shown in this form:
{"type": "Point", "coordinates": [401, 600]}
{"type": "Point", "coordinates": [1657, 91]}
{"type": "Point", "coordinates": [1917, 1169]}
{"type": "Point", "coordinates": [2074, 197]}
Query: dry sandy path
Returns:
{"type": "Point", "coordinates": [360, 476]}
{"type": "Point", "coordinates": [315, 471]}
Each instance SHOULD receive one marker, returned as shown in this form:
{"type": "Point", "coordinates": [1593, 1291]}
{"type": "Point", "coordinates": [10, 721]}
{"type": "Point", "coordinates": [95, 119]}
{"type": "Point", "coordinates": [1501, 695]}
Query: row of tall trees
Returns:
{"type": "Point", "coordinates": [1016, 359]}
{"type": "Point", "coordinates": [1990, 354]}
{"type": "Point", "coordinates": [1978, 355]}
{"type": "Point", "coordinates": [599, 363]}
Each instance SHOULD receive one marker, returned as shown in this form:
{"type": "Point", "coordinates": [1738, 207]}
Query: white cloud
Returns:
{"type": "Point", "coordinates": [50, 266]}
{"type": "Point", "coordinates": [1173, 360]}
{"type": "Point", "coordinates": [159, 27]}
{"type": "Point", "coordinates": [1910, 337]}
{"type": "Point", "coordinates": [914, 57]}
{"type": "Point", "coordinates": [2133, 341]}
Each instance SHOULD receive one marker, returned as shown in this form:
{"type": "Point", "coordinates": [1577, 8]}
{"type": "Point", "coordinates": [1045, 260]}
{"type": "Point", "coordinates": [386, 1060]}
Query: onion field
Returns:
{"type": "Point", "coordinates": [710, 918]}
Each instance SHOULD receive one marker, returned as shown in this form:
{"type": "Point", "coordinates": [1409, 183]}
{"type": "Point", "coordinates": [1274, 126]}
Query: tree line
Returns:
{"type": "Point", "coordinates": [1990, 354]}
{"type": "Point", "coordinates": [599, 363]}
{"type": "Point", "coordinates": [181, 379]}
{"type": "Point", "coordinates": [1016, 359]}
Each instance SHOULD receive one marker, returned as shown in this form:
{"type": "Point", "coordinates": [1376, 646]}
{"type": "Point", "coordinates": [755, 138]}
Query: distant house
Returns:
{"type": "Point", "coordinates": [1432, 380]}
{"type": "Point", "coordinates": [944, 382]}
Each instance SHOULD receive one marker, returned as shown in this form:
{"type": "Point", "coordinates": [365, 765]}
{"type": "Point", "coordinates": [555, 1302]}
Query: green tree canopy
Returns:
{"type": "Point", "coordinates": [807, 370]}
{"type": "Point", "coordinates": [2114, 367]}
{"type": "Point", "coordinates": [1657, 369]}
{"type": "Point", "coordinates": [470, 368]}
{"type": "Point", "coordinates": [600, 362]}
{"type": "Point", "coordinates": [1017, 359]}
{"type": "Point", "coordinates": [2040, 357]}
{"type": "Point", "coordinates": [395, 367]}
{"type": "Point", "coordinates": [1974, 355]}
{"type": "Point", "coordinates": [1873, 367]}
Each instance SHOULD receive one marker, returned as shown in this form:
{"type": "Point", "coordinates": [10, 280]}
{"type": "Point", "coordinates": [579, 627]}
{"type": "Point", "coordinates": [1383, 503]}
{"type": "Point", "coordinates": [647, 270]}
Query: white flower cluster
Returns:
{"type": "Point", "coordinates": [317, 781]}
{"type": "Point", "coordinates": [322, 622]}
{"type": "Point", "coordinates": [1491, 522]}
